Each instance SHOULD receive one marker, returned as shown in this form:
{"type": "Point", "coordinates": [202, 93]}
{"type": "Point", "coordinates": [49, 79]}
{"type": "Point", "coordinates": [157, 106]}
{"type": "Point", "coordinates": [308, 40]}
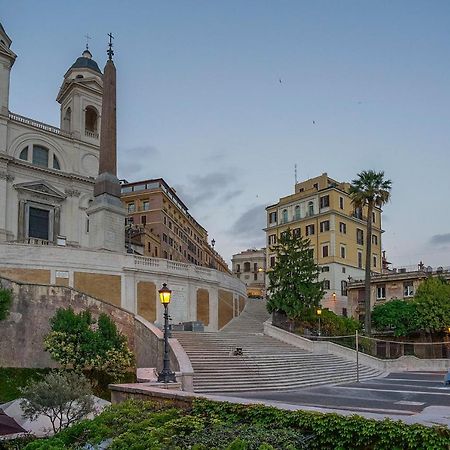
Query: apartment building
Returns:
{"type": "Point", "coordinates": [159, 222]}
{"type": "Point", "coordinates": [250, 267]}
{"type": "Point", "coordinates": [321, 210]}
{"type": "Point", "coordinates": [398, 283]}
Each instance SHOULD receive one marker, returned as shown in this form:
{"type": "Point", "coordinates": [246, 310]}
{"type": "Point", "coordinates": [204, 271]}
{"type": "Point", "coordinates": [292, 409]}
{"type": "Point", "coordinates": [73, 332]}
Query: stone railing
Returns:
{"type": "Point", "coordinates": [37, 124]}
{"type": "Point", "coordinates": [91, 134]}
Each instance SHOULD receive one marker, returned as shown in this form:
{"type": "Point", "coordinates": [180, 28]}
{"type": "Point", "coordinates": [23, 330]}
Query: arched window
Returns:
{"type": "Point", "coordinates": [285, 215]}
{"type": "Point", "coordinates": [56, 163]}
{"type": "Point", "coordinates": [343, 287]}
{"type": "Point", "coordinates": [40, 156]}
{"type": "Point", "coordinates": [24, 154]}
{"type": "Point", "coordinates": [297, 212]}
{"type": "Point", "coordinates": [246, 267]}
{"type": "Point", "coordinates": [310, 208]}
{"type": "Point", "coordinates": [67, 119]}
{"type": "Point", "coordinates": [91, 119]}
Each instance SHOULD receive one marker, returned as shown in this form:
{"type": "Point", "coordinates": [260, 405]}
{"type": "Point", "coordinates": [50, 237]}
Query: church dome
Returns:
{"type": "Point", "coordinates": [85, 61]}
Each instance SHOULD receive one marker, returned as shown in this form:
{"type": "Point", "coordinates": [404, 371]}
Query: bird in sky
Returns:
{"type": "Point", "coordinates": [314, 122]}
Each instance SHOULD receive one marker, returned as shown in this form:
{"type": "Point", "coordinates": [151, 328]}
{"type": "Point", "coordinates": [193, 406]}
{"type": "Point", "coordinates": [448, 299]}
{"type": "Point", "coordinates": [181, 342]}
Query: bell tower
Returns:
{"type": "Point", "coordinates": [7, 58]}
{"type": "Point", "coordinates": [80, 97]}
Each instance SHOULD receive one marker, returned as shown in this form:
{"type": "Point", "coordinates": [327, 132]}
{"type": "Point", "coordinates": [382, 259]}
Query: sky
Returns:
{"type": "Point", "coordinates": [223, 98]}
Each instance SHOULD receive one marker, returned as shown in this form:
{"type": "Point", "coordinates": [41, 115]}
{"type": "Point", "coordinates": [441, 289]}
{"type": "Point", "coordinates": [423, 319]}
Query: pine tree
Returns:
{"type": "Point", "coordinates": [293, 281]}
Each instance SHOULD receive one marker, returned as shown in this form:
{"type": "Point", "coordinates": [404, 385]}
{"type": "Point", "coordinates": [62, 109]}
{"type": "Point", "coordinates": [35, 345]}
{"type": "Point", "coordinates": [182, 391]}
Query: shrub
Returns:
{"type": "Point", "coordinates": [5, 302]}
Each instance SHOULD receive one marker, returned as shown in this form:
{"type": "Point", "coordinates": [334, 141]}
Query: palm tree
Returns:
{"type": "Point", "coordinates": [372, 190]}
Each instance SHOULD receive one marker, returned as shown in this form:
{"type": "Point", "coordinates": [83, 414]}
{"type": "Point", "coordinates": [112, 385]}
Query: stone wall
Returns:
{"type": "Point", "coordinates": [22, 333]}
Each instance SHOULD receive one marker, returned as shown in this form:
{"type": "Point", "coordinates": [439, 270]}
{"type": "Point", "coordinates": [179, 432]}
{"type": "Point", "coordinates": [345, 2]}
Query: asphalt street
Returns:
{"type": "Point", "coordinates": [405, 393]}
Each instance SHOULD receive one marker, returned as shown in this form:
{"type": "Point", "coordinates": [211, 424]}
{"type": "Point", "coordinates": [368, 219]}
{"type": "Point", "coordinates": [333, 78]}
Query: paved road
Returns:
{"type": "Point", "coordinates": [398, 394]}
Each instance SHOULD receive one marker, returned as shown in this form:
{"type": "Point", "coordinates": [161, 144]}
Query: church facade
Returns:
{"type": "Point", "coordinates": [47, 173]}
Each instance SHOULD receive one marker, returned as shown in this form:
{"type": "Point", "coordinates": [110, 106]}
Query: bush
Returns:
{"type": "Point", "coordinates": [208, 425]}
{"type": "Point", "coordinates": [5, 302]}
{"type": "Point", "coordinates": [74, 343]}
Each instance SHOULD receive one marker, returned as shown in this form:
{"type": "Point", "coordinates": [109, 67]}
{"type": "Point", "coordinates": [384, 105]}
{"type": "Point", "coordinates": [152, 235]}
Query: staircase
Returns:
{"type": "Point", "coordinates": [266, 363]}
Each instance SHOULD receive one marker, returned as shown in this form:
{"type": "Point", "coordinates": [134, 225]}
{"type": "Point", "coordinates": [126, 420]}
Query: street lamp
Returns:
{"type": "Point", "coordinates": [334, 296]}
{"type": "Point", "coordinates": [319, 312]}
{"type": "Point", "coordinates": [213, 263]}
{"type": "Point", "coordinates": [166, 375]}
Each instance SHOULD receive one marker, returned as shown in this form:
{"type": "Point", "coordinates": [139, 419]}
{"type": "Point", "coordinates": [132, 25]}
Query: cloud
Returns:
{"type": "Point", "coordinates": [134, 163]}
{"type": "Point", "coordinates": [210, 187]}
{"type": "Point", "coordinates": [440, 239]}
{"type": "Point", "coordinates": [248, 227]}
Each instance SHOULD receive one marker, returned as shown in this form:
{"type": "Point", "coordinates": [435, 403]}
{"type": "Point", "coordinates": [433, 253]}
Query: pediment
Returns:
{"type": "Point", "coordinates": [42, 188]}
{"type": "Point", "coordinates": [91, 84]}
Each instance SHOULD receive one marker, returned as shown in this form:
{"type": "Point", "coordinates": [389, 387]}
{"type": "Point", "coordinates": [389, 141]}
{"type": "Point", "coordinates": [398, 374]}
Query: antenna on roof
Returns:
{"type": "Point", "coordinates": [295, 173]}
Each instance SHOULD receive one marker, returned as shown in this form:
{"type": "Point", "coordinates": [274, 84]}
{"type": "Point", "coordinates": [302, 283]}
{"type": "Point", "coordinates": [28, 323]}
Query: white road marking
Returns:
{"type": "Point", "coordinates": [399, 391]}
{"type": "Point", "coordinates": [406, 402]}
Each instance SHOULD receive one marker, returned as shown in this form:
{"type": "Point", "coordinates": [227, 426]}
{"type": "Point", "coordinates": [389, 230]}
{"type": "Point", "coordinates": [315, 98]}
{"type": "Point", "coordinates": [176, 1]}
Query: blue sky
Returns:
{"type": "Point", "coordinates": [200, 102]}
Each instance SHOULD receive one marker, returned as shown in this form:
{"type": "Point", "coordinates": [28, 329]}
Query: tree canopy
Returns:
{"type": "Point", "coordinates": [293, 281]}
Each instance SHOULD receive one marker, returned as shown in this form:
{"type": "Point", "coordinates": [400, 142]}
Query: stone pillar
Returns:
{"type": "Point", "coordinates": [107, 214]}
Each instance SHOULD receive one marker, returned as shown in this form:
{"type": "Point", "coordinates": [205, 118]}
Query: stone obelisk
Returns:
{"type": "Point", "coordinates": [107, 213]}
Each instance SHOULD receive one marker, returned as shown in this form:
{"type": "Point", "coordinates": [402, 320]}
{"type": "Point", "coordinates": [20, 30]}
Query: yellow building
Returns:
{"type": "Point", "coordinates": [321, 210]}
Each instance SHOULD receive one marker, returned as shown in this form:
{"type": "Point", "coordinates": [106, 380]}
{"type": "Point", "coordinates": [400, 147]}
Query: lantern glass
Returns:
{"type": "Point", "coordinates": [319, 312]}
{"type": "Point", "coordinates": [164, 294]}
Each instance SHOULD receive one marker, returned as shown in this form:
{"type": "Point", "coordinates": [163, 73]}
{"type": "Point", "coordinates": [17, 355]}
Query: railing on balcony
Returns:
{"type": "Point", "coordinates": [91, 134]}
{"type": "Point", "coordinates": [37, 124]}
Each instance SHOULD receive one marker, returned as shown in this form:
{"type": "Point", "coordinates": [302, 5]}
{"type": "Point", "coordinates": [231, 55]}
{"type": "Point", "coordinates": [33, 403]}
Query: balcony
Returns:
{"type": "Point", "coordinates": [91, 134]}
{"type": "Point", "coordinates": [37, 124]}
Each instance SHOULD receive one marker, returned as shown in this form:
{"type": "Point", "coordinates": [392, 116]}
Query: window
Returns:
{"type": "Point", "coordinates": [325, 269]}
{"type": "Point", "coordinates": [325, 251]}
{"type": "Point", "coordinates": [272, 217]}
{"type": "Point", "coordinates": [309, 230]}
{"type": "Point", "coordinates": [38, 223]}
{"type": "Point", "coordinates": [272, 261]}
{"type": "Point", "coordinates": [316, 186]}
{"type": "Point", "coordinates": [359, 236]}
{"type": "Point", "coordinates": [56, 163]}
{"type": "Point", "coordinates": [374, 260]}
{"type": "Point", "coordinates": [145, 205]}
{"type": "Point", "coordinates": [343, 287]}
{"type": "Point", "coordinates": [324, 226]}
{"type": "Point", "coordinates": [246, 267]}
{"type": "Point", "coordinates": [381, 292]}
{"type": "Point", "coordinates": [342, 227]}
{"type": "Point", "coordinates": [343, 252]}
{"type": "Point", "coordinates": [91, 117]}
{"type": "Point", "coordinates": [408, 289]}
{"type": "Point", "coordinates": [326, 284]}
{"type": "Point", "coordinates": [144, 220]}
{"type": "Point", "coordinates": [297, 212]}
{"type": "Point", "coordinates": [343, 270]}
{"type": "Point", "coordinates": [341, 202]}
{"type": "Point", "coordinates": [238, 267]}
{"type": "Point", "coordinates": [24, 154]}
{"type": "Point", "coordinates": [284, 216]}
{"type": "Point", "coordinates": [165, 239]}
{"type": "Point", "coordinates": [325, 201]}
{"type": "Point", "coordinates": [40, 156]}
{"type": "Point", "coordinates": [255, 267]}
{"type": "Point", "coordinates": [360, 264]}
{"type": "Point", "coordinates": [310, 208]}
{"type": "Point", "coordinates": [374, 239]}
{"type": "Point", "coordinates": [344, 312]}
{"type": "Point", "coordinates": [255, 276]}
{"type": "Point", "coordinates": [358, 213]}
{"type": "Point", "coordinates": [373, 217]}
{"type": "Point", "coordinates": [272, 239]}
{"type": "Point", "coordinates": [297, 232]}
{"type": "Point", "coordinates": [131, 207]}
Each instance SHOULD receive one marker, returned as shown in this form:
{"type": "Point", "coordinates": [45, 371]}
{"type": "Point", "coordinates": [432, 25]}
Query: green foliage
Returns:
{"type": "Point", "coordinates": [334, 325]}
{"type": "Point", "coordinates": [5, 302]}
{"type": "Point", "coordinates": [432, 302]}
{"type": "Point", "coordinates": [294, 286]}
{"type": "Point", "coordinates": [64, 397]}
{"type": "Point", "coordinates": [209, 425]}
{"type": "Point", "coordinates": [73, 342]}
{"type": "Point", "coordinates": [397, 315]}
{"type": "Point", "coordinates": [12, 379]}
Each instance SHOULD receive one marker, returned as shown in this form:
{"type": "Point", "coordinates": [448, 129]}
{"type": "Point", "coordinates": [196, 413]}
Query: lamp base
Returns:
{"type": "Point", "coordinates": [166, 377]}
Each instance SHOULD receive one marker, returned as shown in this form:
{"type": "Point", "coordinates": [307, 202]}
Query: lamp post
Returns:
{"type": "Point", "coordinates": [319, 312]}
{"type": "Point", "coordinates": [166, 375]}
{"type": "Point", "coordinates": [213, 243]}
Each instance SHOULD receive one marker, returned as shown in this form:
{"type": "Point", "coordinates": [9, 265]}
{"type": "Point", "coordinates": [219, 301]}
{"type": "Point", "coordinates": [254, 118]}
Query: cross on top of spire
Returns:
{"type": "Point", "coordinates": [110, 51]}
{"type": "Point", "coordinates": [87, 40]}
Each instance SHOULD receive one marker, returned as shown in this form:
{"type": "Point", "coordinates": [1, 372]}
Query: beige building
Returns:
{"type": "Point", "coordinates": [170, 230]}
{"type": "Point", "coordinates": [400, 283]}
{"type": "Point", "coordinates": [321, 210]}
{"type": "Point", "coordinates": [250, 267]}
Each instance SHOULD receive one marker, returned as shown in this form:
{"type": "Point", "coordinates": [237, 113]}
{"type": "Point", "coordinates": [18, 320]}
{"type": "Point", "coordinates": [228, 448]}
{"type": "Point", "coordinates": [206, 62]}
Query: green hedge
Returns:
{"type": "Point", "coordinates": [211, 425]}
